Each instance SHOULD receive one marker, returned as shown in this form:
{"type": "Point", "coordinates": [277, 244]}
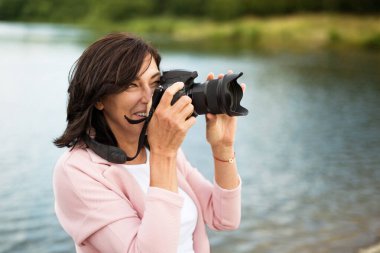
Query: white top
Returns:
{"type": "Point", "coordinates": [189, 214]}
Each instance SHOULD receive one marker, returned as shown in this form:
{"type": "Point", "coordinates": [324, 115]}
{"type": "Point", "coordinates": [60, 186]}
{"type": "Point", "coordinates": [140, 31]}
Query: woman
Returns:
{"type": "Point", "coordinates": [156, 202]}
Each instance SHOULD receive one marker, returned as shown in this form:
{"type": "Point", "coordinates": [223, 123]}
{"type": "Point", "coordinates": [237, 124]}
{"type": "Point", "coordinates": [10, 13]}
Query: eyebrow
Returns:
{"type": "Point", "coordinates": [153, 76]}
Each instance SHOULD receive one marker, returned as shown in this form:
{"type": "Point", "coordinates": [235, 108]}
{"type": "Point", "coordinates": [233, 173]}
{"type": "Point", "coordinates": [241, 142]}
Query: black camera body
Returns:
{"type": "Point", "coordinates": [217, 96]}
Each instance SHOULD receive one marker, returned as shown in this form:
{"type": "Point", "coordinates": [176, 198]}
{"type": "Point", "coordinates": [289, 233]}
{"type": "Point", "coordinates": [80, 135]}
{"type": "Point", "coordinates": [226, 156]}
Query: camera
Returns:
{"type": "Point", "coordinates": [217, 96]}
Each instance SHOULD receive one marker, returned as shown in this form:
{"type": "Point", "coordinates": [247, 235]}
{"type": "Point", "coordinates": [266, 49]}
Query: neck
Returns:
{"type": "Point", "coordinates": [130, 148]}
{"type": "Point", "coordinates": [140, 159]}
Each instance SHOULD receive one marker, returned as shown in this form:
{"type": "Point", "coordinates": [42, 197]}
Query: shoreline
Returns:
{"type": "Point", "coordinates": [296, 33]}
{"type": "Point", "coordinates": [300, 32]}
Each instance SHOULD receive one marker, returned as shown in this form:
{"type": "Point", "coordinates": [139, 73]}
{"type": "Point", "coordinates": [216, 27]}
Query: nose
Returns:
{"type": "Point", "coordinates": [147, 93]}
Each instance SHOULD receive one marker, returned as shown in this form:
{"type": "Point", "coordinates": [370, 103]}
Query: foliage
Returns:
{"type": "Point", "coordinates": [217, 24]}
{"type": "Point", "coordinates": [292, 32]}
{"type": "Point", "coordinates": [71, 11]}
{"type": "Point", "coordinates": [373, 42]}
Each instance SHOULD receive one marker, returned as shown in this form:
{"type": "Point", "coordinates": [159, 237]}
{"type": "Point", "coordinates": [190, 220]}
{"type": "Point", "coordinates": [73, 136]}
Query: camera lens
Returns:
{"type": "Point", "coordinates": [219, 96]}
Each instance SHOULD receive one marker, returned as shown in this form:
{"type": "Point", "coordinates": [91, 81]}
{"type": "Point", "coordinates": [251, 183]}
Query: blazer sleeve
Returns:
{"type": "Point", "coordinates": [93, 214]}
{"type": "Point", "coordinates": [221, 208]}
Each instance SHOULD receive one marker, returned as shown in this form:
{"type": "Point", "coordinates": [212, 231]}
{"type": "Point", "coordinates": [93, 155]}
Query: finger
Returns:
{"type": "Point", "coordinates": [210, 76]}
{"type": "Point", "coordinates": [243, 86]}
{"type": "Point", "coordinates": [190, 122]}
{"type": "Point", "coordinates": [210, 116]}
{"type": "Point", "coordinates": [230, 71]}
{"type": "Point", "coordinates": [169, 93]}
{"type": "Point", "coordinates": [180, 104]}
{"type": "Point", "coordinates": [187, 111]}
{"type": "Point", "coordinates": [210, 119]}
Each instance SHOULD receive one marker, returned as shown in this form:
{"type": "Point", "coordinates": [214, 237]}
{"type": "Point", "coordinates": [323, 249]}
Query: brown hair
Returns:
{"type": "Point", "coordinates": [106, 67]}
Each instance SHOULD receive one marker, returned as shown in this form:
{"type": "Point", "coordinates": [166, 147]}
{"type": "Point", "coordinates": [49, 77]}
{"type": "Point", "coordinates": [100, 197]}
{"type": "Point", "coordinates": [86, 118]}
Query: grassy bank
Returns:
{"type": "Point", "coordinates": [295, 32]}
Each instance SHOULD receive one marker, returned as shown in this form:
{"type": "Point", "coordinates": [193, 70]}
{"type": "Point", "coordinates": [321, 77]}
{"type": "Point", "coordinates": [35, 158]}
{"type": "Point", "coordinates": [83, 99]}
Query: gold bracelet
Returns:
{"type": "Point", "coordinates": [231, 160]}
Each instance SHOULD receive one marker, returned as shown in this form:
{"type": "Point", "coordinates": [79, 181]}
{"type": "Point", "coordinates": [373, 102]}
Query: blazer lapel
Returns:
{"type": "Point", "coordinates": [123, 183]}
{"type": "Point", "coordinates": [128, 186]}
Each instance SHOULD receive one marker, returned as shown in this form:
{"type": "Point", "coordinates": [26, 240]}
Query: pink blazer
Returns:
{"type": "Point", "coordinates": [101, 206]}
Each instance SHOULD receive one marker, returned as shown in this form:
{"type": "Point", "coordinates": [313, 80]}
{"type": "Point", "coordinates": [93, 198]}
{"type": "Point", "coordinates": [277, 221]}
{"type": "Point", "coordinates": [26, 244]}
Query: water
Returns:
{"type": "Point", "coordinates": [308, 152]}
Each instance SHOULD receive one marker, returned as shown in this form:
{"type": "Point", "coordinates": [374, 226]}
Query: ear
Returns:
{"type": "Point", "coordinates": [99, 105]}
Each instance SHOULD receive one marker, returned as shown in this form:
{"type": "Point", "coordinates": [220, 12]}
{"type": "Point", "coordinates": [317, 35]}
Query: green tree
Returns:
{"type": "Point", "coordinates": [11, 10]}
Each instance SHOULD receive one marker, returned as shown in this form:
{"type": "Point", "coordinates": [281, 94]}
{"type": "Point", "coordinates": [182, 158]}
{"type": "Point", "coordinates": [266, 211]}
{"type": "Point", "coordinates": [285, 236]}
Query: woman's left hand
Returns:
{"type": "Point", "coordinates": [221, 128]}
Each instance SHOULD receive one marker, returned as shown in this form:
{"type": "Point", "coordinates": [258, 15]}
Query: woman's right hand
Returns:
{"type": "Point", "coordinates": [166, 131]}
{"type": "Point", "coordinates": [170, 123]}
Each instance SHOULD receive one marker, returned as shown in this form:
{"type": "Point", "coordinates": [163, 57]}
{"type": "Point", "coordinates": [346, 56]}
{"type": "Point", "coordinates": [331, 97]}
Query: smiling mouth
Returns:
{"type": "Point", "coordinates": [142, 114]}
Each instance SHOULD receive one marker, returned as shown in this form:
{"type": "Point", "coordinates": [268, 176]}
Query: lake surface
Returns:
{"type": "Point", "coordinates": [308, 152]}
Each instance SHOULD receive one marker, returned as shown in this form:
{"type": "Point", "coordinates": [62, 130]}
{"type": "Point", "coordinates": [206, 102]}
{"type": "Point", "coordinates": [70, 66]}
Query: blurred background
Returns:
{"type": "Point", "coordinates": [308, 152]}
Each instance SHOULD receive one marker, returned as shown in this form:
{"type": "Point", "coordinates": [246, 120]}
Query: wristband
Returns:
{"type": "Point", "coordinates": [230, 160]}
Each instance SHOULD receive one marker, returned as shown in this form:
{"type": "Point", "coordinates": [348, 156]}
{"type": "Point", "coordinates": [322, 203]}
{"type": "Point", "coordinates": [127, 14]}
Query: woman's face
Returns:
{"type": "Point", "coordinates": [133, 102]}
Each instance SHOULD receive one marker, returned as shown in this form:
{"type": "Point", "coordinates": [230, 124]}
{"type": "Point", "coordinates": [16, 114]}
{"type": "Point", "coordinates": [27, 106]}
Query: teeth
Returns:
{"type": "Point", "coordinates": [142, 114]}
